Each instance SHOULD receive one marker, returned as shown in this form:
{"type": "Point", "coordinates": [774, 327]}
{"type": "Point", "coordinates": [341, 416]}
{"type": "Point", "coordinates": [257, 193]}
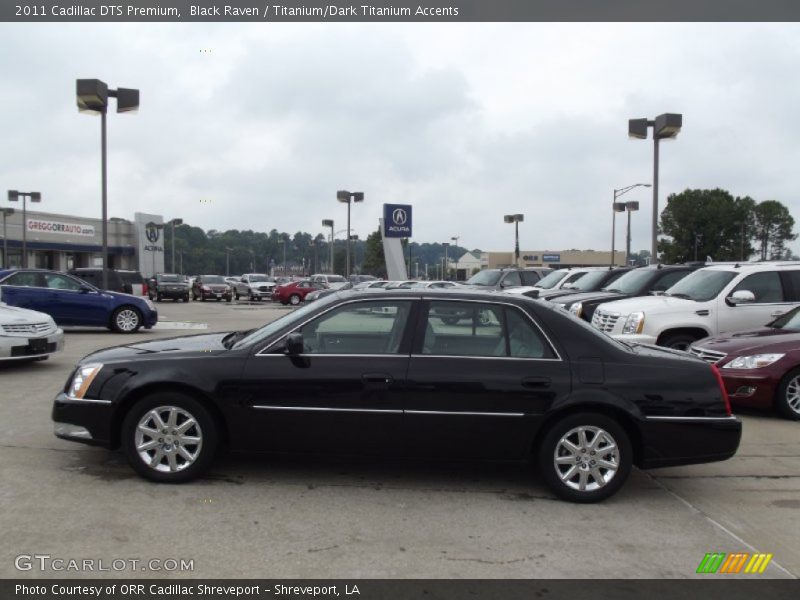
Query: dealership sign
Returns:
{"type": "Point", "coordinates": [59, 227]}
{"type": "Point", "coordinates": [397, 220]}
{"type": "Point", "coordinates": [551, 257]}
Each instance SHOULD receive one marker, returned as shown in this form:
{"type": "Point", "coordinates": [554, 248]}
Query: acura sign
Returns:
{"type": "Point", "coordinates": [397, 220]}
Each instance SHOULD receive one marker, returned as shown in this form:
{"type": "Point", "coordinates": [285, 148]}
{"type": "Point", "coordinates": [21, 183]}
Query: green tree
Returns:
{"type": "Point", "coordinates": [703, 223]}
{"type": "Point", "coordinates": [773, 227]}
{"type": "Point", "coordinates": [374, 259]}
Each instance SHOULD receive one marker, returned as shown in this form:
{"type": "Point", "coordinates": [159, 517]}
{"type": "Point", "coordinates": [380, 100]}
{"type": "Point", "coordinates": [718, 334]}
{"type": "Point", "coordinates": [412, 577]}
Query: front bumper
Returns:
{"type": "Point", "coordinates": [17, 347]}
{"type": "Point", "coordinates": [746, 388]}
{"type": "Point", "coordinates": [86, 421]}
{"type": "Point", "coordinates": [673, 441]}
{"type": "Point", "coordinates": [212, 295]}
{"type": "Point", "coordinates": [635, 338]}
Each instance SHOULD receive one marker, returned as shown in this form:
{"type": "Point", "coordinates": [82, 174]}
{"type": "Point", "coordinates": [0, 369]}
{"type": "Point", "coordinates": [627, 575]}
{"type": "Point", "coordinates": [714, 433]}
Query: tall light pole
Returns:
{"type": "Point", "coordinates": [349, 198]}
{"type": "Point", "coordinates": [7, 212]}
{"type": "Point", "coordinates": [516, 220]}
{"type": "Point", "coordinates": [666, 126]}
{"type": "Point", "coordinates": [228, 261]}
{"type": "Point", "coordinates": [444, 268]}
{"type": "Point", "coordinates": [354, 238]}
{"type": "Point", "coordinates": [329, 223]}
{"type": "Point", "coordinates": [174, 222]}
{"type": "Point", "coordinates": [92, 96]}
{"type": "Point", "coordinates": [455, 239]}
{"type": "Point", "coordinates": [14, 196]}
{"type": "Point", "coordinates": [629, 207]}
{"type": "Point", "coordinates": [620, 207]}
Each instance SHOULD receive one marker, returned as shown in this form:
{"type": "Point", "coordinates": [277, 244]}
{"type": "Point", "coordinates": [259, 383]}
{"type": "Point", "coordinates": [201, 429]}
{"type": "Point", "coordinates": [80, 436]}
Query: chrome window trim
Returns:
{"type": "Point", "coordinates": [468, 357]}
{"type": "Point", "coordinates": [403, 356]}
{"type": "Point", "coordinates": [327, 409]}
{"type": "Point", "coordinates": [264, 350]}
{"type": "Point", "coordinates": [513, 306]}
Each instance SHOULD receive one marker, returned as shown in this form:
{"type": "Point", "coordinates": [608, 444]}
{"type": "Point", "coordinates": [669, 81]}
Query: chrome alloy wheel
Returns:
{"type": "Point", "coordinates": [793, 394]}
{"type": "Point", "coordinates": [168, 439]}
{"type": "Point", "coordinates": [127, 320]}
{"type": "Point", "coordinates": [586, 458]}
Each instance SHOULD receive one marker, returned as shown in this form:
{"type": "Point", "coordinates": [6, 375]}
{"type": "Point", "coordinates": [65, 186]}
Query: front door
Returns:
{"type": "Point", "coordinates": [343, 393]}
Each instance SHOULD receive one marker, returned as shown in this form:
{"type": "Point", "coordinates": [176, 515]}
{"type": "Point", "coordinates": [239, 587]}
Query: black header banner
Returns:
{"type": "Point", "coordinates": [419, 11]}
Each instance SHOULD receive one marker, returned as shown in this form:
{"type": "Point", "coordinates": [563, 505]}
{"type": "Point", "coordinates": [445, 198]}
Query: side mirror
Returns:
{"type": "Point", "coordinates": [741, 297]}
{"type": "Point", "coordinates": [294, 343]}
{"type": "Point", "coordinates": [85, 289]}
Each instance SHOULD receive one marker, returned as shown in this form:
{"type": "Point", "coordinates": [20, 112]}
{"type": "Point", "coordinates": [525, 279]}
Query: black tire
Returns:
{"type": "Point", "coordinates": [557, 475]}
{"type": "Point", "coordinates": [450, 320]}
{"type": "Point", "coordinates": [787, 398]}
{"type": "Point", "coordinates": [186, 298]}
{"type": "Point", "coordinates": [126, 319]}
{"type": "Point", "coordinates": [294, 299]}
{"type": "Point", "coordinates": [182, 406]}
{"type": "Point", "coordinates": [202, 298]}
{"type": "Point", "coordinates": [228, 299]}
{"type": "Point", "coordinates": [158, 298]}
{"type": "Point", "coordinates": [236, 296]}
{"type": "Point", "coordinates": [678, 341]}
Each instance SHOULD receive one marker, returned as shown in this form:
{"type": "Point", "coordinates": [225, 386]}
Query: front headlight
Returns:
{"type": "Point", "coordinates": [755, 361]}
{"type": "Point", "coordinates": [634, 323]}
{"type": "Point", "coordinates": [83, 379]}
{"type": "Point", "coordinates": [576, 309]}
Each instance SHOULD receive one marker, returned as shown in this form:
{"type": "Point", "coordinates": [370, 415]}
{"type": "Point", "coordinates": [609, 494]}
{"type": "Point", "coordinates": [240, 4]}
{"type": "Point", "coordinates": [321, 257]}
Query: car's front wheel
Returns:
{"type": "Point", "coordinates": [169, 437]}
{"type": "Point", "coordinates": [787, 398]}
{"type": "Point", "coordinates": [126, 319]}
{"type": "Point", "coordinates": [585, 457]}
{"type": "Point", "coordinates": [678, 341]}
{"type": "Point", "coordinates": [294, 299]}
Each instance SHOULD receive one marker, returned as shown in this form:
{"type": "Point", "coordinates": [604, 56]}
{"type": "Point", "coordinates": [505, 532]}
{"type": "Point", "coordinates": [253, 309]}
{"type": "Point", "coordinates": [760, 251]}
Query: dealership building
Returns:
{"type": "Point", "coordinates": [552, 258]}
{"type": "Point", "coordinates": [63, 242]}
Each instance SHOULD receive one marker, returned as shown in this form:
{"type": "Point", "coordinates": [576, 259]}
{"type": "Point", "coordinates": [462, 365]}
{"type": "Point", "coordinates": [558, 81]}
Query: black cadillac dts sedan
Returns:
{"type": "Point", "coordinates": [389, 373]}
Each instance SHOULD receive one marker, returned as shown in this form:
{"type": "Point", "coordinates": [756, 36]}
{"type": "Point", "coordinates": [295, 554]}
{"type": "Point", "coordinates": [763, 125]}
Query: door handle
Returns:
{"type": "Point", "coordinates": [536, 382]}
{"type": "Point", "coordinates": [376, 378]}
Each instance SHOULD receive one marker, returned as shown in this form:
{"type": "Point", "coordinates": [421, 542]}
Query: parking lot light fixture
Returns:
{"type": "Point", "coordinates": [349, 198]}
{"type": "Point", "coordinates": [620, 207]}
{"type": "Point", "coordinates": [7, 212]}
{"type": "Point", "coordinates": [666, 126]}
{"type": "Point", "coordinates": [92, 97]}
{"type": "Point", "coordinates": [329, 223]}
{"type": "Point", "coordinates": [516, 220]}
{"type": "Point", "coordinates": [14, 196]}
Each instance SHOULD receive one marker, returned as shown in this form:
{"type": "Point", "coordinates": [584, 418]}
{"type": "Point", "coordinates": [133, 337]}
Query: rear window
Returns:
{"type": "Point", "coordinates": [131, 277]}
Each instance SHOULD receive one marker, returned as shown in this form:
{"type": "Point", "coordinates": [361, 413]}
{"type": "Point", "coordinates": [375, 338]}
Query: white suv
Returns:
{"type": "Point", "coordinates": [710, 301]}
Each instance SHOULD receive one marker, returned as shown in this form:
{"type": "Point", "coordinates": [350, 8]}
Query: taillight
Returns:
{"type": "Point", "coordinates": [722, 389]}
{"type": "Point", "coordinates": [144, 289]}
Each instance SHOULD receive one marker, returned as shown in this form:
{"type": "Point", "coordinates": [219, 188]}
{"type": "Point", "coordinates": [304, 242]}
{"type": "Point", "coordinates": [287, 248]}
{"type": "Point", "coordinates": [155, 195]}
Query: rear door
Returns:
{"type": "Point", "coordinates": [478, 387]}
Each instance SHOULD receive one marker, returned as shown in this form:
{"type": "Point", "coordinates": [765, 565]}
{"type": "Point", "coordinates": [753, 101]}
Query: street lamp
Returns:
{"type": "Point", "coordinates": [620, 207]}
{"type": "Point", "coordinates": [354, 238]}
{"type": "Point", "coordinates": [7, 212]}
{"type": "Point", "coordinates": [329, 223]}
{"type": "Point", "coordinates": [349, 198]}
{"type": "Point", "coordinates": [630, 207]}
{"type": "Point", "coordinates": [14, 196]}
{"type": "Point", "coordinates": [516, 220]}
{"type": "Point", "coordinates": [92, 96]}
{"type": "Point", "coordinates": [173, 223]}
{"type": "Point", "coordinates": [228, 261]}
{"type": "Point", "coordinates": [666, 126]}
{"type": "Point", "coordinates": [446, 245]}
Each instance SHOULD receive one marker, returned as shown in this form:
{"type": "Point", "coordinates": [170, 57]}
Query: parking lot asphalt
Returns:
{"type": "Point", "coordinates": [276, 517]}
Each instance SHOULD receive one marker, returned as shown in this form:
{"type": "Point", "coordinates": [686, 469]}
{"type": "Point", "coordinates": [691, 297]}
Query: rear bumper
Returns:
{"type": "Point", "coordinates": [172, 293]}
{"type": "Point", "coordinates": [672, 441]}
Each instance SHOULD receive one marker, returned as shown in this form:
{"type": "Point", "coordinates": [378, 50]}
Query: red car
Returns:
{"type": "Point", "coordinates": [760, 368]}
{"type": "Point", "coordinates": [295, 292]}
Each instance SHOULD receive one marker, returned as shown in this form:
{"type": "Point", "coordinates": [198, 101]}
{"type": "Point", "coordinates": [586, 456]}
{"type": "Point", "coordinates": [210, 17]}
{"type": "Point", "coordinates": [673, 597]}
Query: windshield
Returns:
{"type": "Point", "coordinates": [632, 282]}
{"type": "Point", "coordinates": [701, 285]}
{"type": "Point", "coordinates": [258, 278]}
{"type": "Point", "coordinates": [212, 279]}
{"type": "Point", "coordinates": [791, 320]}
{"type": "Point", "coordinates": [589, 281]}
{"type": "Point", "coordinates": [336, 279]}
{"type": "Point", "coordinates": [282, 322]}
{"type": "Point", "coordinates": [551, 280]}
{"type": "Point", "coordinates": [169, 278]}
{"type": "Point", "coordinates": [484, 278]}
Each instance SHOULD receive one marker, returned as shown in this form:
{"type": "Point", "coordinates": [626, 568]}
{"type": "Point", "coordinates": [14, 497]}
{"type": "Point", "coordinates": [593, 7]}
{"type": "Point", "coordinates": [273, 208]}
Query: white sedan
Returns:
{"type": "Point", "coordinates": [28, 334]}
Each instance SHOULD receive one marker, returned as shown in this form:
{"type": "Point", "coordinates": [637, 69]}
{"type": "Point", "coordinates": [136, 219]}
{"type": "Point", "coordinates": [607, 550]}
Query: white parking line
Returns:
{"type": "Point", "coordinates": [167, 325]}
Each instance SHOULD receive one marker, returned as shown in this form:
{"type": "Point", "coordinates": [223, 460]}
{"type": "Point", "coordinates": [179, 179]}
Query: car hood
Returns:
{"type": "Point", "coordinates": [13, 315]}
{"type": "Point", "coordinates": [572, 298]}
{"type": "Point", "coordinates": [757, 341]}
{"type": "Point", "coordinates": [650, 304]}
{"type": "Point", "coordinates": [177, 346]}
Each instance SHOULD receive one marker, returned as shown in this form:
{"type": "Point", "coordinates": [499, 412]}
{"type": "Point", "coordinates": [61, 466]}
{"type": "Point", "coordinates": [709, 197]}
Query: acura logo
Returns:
{"type": "Point", "coordinates": [151, 232]}
{"type": "Point", "coordinates": [399, 216]}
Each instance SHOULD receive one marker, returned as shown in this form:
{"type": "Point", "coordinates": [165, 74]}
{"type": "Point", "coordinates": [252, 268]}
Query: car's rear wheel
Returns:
{"type": "Point", "coordinates": [169, 438]}
{"type": "Point", "coordinates": [585, 457]}
{"type": "Point", "coordinates": [787, 398]}
{"type": "Point", "coordinates": [126, 319]}
{"type": "Point", "coordinates": [294, 299]}
{"type": "Point", "coordinates": [450, 320]}
{"type": "Point", "coordinates": [236, 295]}
{"type": "Point", "coordinates": [159, 297]}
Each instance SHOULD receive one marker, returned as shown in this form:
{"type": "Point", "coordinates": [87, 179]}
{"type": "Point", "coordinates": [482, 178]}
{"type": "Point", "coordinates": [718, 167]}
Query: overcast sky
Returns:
{"type": "Point", "coordinates": [256, 126]}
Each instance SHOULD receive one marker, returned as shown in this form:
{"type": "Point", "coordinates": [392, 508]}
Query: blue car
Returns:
{"type": "Point", "coordinates": [72, 301]}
